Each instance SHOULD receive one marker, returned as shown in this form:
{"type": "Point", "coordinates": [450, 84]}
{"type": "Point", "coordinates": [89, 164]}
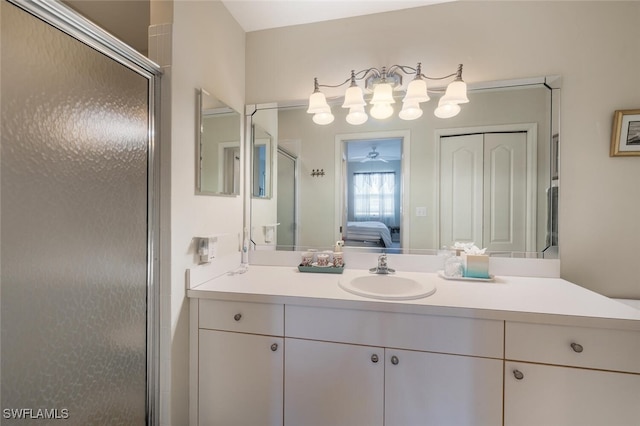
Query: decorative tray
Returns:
{"type": "Point", "coordinates": [329, 269]}
{"type": "Point", "coordinates": [490, 279]}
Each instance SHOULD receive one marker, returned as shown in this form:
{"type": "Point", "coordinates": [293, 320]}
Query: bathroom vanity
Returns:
{"type": "Point", "coordinates": [274, 346]}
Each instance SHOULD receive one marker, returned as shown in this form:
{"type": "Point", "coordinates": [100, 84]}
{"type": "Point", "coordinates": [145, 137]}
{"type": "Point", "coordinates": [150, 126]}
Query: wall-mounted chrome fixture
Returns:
{"type": "Point", "coordinates": [317, 172]}
{"type": "Point", "coordinates": [382, 83]}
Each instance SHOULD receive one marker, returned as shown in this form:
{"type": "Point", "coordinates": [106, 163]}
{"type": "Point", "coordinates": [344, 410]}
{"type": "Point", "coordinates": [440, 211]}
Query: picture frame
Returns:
{"type": "Point", "coordinates": [625, 136]}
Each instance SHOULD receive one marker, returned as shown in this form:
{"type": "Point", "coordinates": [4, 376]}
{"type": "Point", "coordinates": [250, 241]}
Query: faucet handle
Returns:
{"type": "Point", "coordinates": [382, 267]}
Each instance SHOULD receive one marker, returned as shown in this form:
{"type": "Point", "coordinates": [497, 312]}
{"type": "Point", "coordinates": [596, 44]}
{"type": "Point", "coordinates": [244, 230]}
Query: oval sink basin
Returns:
{"type": "Point", "coordinates": [387, 287]}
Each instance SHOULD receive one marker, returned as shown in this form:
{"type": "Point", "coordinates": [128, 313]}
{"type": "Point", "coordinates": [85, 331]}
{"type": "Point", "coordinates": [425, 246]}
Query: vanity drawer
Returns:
{"type": "Point", "coordinates": [245, 317]}
{"type": "Point", "coordinates": [454, 335]}
{"type": "Point", "coordinates": [605, 349]}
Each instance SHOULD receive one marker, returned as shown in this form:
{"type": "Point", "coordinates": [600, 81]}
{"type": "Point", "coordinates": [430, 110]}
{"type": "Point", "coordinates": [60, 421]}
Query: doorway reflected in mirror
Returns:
{"type": "Point", "coordinates": [372, 185]}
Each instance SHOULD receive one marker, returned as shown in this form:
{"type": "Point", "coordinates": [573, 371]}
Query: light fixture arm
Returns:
{"type": "Point", "coordinates": [405, 69]}
{"type": "Point", "coordinates": [355, 76]}
{"type": "Point", "coordinates": [385, 73]}
{"type": "Point", "coordinates": [457, 75]}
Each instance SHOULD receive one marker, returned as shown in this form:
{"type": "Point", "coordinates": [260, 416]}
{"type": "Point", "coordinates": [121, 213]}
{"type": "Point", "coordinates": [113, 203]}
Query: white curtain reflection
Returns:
{"type": "Point", "coordinates": [374, 197]}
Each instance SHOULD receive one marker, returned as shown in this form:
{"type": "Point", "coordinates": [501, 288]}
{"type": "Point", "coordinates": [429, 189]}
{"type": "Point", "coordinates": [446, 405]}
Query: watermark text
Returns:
{"type": "Point", "coordinates": [36, 413]}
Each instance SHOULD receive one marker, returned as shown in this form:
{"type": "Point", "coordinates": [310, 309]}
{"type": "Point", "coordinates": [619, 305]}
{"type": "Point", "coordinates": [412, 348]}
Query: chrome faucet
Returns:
{"type": "Point", "coordinates": [382, 267]}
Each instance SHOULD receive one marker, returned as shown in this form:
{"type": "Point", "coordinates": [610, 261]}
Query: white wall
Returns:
{"type": "Point", "coordinates": [593, 45]}
{"type": "Point", "coordinates": [204, 48]}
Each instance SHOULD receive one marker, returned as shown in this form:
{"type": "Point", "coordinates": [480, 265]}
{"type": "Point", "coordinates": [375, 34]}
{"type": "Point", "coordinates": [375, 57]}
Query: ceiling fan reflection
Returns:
{"type": "Point", "coordinates": [373, 155]}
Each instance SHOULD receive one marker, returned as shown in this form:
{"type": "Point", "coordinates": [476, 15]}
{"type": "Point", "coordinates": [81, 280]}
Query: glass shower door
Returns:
{"type": "Point", "coordinates": [74, 161]}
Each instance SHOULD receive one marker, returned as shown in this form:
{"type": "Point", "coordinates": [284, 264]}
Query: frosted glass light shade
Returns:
{"type": "Point", "coordinates": [317, 103]}
{"type": "Point", "coordinates": [410, 111]}
{"type": "Point", "coordinates": [357, 115]}
{"type": "Point", "coordinates": [381, 111]}
{"type": "Point", "coordinates": [353, 97]}
{"type": "Point", "coordinates": [324, 117]}
{"type": "Point", "coordinates": [456, 93]}
{"type": "Point", "coordinates": [416, 91]}
{"type": "Point", "coordinates": [382, 93]}
{"type": "Point", "coordinates": [446, 110]}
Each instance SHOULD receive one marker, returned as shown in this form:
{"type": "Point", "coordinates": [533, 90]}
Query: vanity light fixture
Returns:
{"type": "Point", "coordinates": [382, 83]}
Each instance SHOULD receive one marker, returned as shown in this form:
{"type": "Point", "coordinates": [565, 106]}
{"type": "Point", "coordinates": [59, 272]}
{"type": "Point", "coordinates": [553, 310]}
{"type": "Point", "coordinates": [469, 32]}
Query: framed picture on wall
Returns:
{"type": "Point", "coordinates": [625, 137]}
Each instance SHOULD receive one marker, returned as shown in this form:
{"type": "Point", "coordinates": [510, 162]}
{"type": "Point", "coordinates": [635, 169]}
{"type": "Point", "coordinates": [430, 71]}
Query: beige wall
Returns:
{"type": "Point", "coordinates": [204, 48]}
{"type": "Point", "coordinates": [593, 45]}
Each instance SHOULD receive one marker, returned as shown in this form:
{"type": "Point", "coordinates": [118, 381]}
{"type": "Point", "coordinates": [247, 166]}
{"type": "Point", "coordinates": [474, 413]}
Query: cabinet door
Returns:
{"type": "Point", "coordinates": [551, 395]}
{"type": "Point", "coordinates": [436, 389]}
{"type": "Point", "coordinates": [240, 379]}
{"type": "Point", "coordinates": [333, 384]}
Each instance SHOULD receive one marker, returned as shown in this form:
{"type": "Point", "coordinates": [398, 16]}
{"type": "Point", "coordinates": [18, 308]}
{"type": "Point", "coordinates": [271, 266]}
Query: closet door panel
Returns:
{"type": "Point", "coordinates": [461, 189]}
{"type": "Point", "coordinates": [505, 186]}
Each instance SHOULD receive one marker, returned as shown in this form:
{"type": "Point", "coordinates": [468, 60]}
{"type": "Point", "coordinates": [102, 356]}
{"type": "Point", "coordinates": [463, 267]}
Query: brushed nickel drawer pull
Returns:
{"type": "Point", "coordinates": [237, 317]}
{"type": "Point", "coordinates": [577, 347]}
{"type": "Point", "coordinates": [518, 374]}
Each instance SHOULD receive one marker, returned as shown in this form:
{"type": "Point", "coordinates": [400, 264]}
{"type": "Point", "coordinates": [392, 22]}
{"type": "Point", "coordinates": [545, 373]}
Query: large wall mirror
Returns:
{"type": "Point", "coordinates": [218, 151]}
{"type": "Point", "coordinates": [488, 175]}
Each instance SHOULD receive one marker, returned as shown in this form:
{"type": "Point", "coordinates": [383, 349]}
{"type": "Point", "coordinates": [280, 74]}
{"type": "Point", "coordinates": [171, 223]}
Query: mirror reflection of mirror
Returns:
{"type": "Point", "coordinates": [218, 153]}
{"type": "Point", "coordinates": [261, 162]}
{"type": "Point", "coordinates": [483, 176]}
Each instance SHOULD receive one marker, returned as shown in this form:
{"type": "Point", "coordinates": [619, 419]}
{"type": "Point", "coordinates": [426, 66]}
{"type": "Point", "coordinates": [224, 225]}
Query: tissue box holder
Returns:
{"type": "Point", "coordinates": [475, 265]}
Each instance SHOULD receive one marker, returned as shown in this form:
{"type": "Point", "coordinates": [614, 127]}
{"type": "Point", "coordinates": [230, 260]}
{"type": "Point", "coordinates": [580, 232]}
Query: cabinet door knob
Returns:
{"type": "Point", "coordinates": [237, 317]}
{"type": "Point", "coordinates": [577, 347]}
{"type": "Point", "coordinates": [374, 358]}
{"type": "Point", "coordinates": [518, 374]}
{"type": "Point", "coordinates": [274, 347]}
{"type": "Point", "coordinates": [395, 360]}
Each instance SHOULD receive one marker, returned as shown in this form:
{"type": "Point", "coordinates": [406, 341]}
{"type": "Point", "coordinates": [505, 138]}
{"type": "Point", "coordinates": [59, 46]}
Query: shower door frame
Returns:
{"type": "Point", "coordinates": [68, 21]}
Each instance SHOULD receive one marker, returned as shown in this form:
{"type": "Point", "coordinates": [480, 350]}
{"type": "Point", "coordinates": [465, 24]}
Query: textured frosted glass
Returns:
{"type": "Point", "coordinates": [73, 198]}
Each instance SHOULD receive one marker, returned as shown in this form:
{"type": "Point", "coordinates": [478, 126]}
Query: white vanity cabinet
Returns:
{"type": "Point", "coordinates": [423, 388]}
{"type": "Point", "coordinates": [275, 347]}
{"type": "Point", "coordinates": [352, 367]}
{"type": "Point", "coordinates": [333, 384]}
{"type": "Point", "coordinates": [571, 375]}
{"type": "Point", "coordinates": [240, 363]}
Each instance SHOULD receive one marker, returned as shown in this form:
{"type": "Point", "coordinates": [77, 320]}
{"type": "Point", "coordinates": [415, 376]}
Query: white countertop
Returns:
{"type": "Point", "coordinates": [530, 299]}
